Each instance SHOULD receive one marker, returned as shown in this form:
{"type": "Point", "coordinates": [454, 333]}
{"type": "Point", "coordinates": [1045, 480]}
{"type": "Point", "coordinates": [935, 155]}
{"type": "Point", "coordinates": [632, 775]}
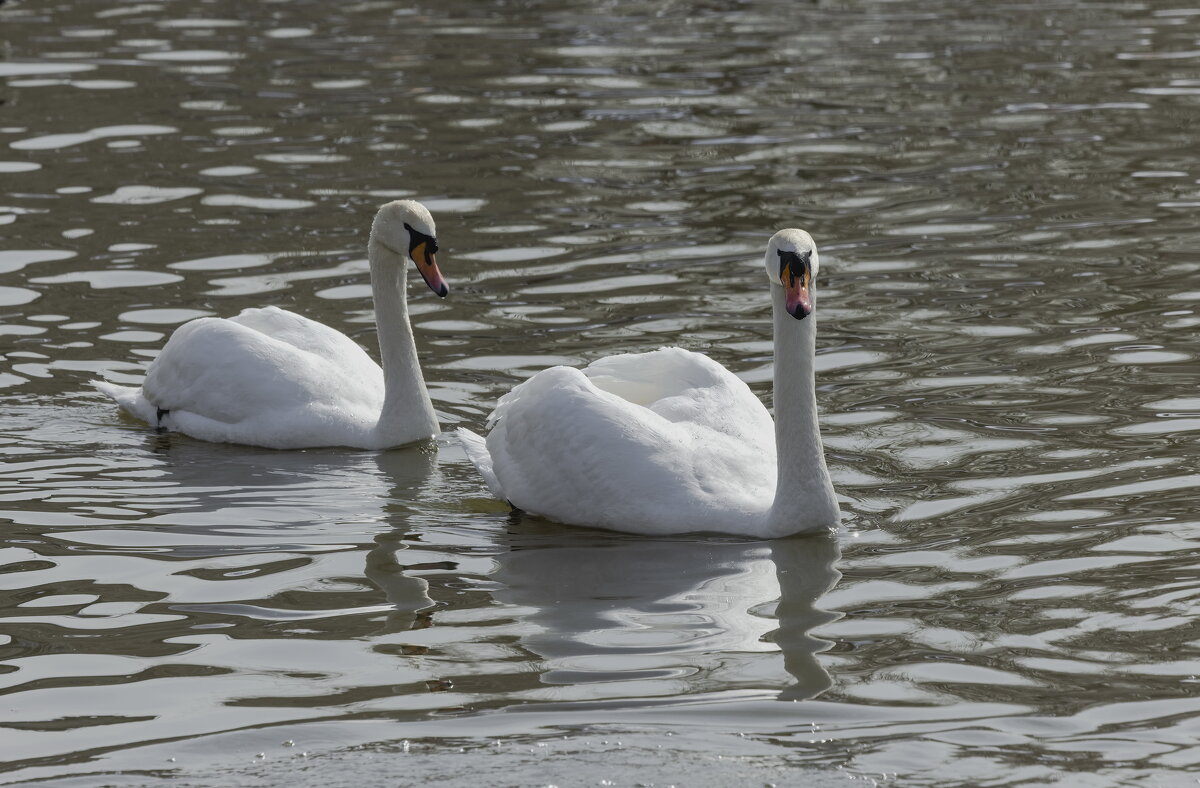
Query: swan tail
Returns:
{"type": "Point", "coordinates": [130, 399]}
{"type": "Point", "coordinates": [481, 458]}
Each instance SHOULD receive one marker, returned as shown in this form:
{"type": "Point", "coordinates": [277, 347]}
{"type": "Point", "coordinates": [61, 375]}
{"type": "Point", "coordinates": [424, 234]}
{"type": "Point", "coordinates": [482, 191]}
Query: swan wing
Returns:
{"type": "Point", "coordinates": [310, 336]}
{"type": "Point", "coordinates": [565, 447]}
{"type": "Point", "coordinates": [261, 365]}
{"type": "Point", "coordinates": [691, 388]}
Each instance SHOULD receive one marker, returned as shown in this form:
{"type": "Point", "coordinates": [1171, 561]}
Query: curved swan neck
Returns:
{"type": "Point", "coordinates": [804, 497]}
{"type": "Point", "coordinates": [407, 413]}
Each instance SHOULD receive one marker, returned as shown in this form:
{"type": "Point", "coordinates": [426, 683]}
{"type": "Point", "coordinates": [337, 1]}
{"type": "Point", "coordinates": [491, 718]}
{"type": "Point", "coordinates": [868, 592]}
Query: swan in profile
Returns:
{"type": "Point", "coordinates": [270, 377]}
{"type": "Point", "coordinates": [670, 441]}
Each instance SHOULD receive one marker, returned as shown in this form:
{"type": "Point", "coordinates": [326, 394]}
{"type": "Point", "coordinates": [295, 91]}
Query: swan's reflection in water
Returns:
{"type": "Point", "coordinates": [805, 568]}
{"type": "Point", "coordinates": [593, 614]}
{"type": "Point", "coordinates": [300, 486]}
{"type": "Point", "coordinates": [678, 616]}
{"type": "Point", "coordinates": [408, 595]}
{"type": "Point", "coordinates": [408, 471]}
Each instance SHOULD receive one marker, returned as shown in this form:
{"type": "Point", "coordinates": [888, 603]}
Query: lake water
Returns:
{"type": "Point", "coordinates": [1005, 196]}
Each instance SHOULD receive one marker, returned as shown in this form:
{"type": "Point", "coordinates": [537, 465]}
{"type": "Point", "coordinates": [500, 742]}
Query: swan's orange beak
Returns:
{"type": "Point", "coordinates": [795, 274]}
{"type": "Point", "coordinates": [426, 262]}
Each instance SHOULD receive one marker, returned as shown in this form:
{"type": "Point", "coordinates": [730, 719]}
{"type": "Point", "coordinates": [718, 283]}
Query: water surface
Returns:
{"type": "Point", "coordinates": [1005, 198]}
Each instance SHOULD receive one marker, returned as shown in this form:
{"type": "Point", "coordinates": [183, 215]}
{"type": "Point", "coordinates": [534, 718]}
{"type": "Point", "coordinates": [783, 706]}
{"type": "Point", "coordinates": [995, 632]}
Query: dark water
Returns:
{"type": "Point", "coordinates": [1005, 195]}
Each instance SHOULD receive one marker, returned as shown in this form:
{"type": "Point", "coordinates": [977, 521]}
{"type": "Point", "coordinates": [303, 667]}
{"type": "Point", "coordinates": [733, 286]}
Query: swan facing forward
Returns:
{"type": "Point", "coordinates": [670, 441]}
{"type": "Point", "coordinates": [270, 377]}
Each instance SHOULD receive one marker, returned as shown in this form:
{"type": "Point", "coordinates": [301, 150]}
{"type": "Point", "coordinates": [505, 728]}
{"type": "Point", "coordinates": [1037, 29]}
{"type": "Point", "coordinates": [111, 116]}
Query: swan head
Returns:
{"type": "Point", "coordinates": [405, 227]}
{"type": "Point", "coordinates": [792, 264]}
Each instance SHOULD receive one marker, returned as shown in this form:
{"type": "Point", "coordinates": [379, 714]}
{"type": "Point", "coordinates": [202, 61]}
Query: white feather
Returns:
{"type": "Point", "coordinates": [477, 452]}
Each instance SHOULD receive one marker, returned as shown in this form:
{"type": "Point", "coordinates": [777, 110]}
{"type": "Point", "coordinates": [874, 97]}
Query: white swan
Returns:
{"type": "Point", "coordinates": [270, 377]}
{"type": "Point", "coordinates": [670, 441]}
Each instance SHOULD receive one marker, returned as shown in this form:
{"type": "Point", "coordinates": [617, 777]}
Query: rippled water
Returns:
{"type": "Point", "coordinates": [1005, 196]}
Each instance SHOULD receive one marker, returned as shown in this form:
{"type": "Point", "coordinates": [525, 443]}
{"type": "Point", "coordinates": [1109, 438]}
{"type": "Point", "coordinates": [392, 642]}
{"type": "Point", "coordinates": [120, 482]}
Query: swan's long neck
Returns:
{"type": "Point", "coordinates": [407, 414]}
{"type": "Point", "coordinates": [804, 497]}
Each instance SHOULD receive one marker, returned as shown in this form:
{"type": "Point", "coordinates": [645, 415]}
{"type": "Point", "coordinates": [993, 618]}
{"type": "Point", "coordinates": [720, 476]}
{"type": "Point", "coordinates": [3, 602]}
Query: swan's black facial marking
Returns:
{"type": "Point", "coordinates": [421, 249]}
{"type": "Point", "coordinates": [416, 238]}
{"type": "Point", "coordinates": [797, 266]}
{"type": "Point", "coordinates": [795, 274]}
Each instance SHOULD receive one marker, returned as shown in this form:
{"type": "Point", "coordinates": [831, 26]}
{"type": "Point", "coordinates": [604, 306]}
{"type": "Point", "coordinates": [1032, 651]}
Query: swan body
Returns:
{"type": "Point", "coordinates": [269, 377]}
{"type": "Point", "coordinates": [670, 441]}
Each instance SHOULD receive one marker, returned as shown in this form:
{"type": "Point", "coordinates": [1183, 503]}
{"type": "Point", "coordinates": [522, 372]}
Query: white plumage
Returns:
{"type": "Point", "coordinates": [670, 441]}
{"type": "Point", "coordinates": [270, 377]}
